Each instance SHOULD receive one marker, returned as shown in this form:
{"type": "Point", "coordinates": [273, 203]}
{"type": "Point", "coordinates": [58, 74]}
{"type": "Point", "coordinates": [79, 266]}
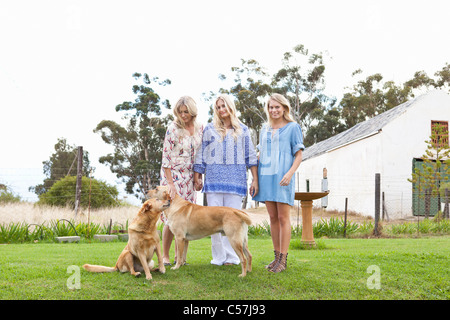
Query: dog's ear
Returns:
{"type": "Point", "coordinates": [148, 206]}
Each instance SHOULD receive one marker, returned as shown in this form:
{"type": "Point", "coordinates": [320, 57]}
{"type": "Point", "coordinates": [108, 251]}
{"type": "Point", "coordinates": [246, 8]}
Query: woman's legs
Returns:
{"type": "Point", "coordinates": [280, 228]}
{"type": "Point", "coordinates": [280, 225]}
{"type": "Point", "coordinates": [222, 252]}
{"type": "Point", "coordinates": [272, 209]}
{"type": "Point", "coordinates": [218, 253]}
{"type": "Point", "coordinates": [284, 217]}
{"type": "Point", "coordinates": [232, 201]}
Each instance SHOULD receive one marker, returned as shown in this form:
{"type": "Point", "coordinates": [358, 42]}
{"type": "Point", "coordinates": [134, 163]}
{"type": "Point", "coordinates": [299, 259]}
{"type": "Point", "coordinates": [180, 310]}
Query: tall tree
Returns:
{"type": "Point", "coordinates": [61, 163]}
{"type": "Point", "coordinates": [443, 78]}
{"type": "Point", "coordinates": [302, 80]}
{"type": "Point", "coordinates": [329, 125]}
{"type": "Point", "coordinates": [250, 90]}
{"type": "Point", "coordinates": [370, 97]}
{"type": "Point", "coordinates": [364, 101]}
{"type": "Point", "coordinates": [138, 145]}
{"type": "Point", "coordinates": [422, 81]}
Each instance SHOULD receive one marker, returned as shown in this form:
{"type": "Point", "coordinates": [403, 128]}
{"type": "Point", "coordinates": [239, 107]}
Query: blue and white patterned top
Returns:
{"type": "Point", "coordinates": [224, 163]}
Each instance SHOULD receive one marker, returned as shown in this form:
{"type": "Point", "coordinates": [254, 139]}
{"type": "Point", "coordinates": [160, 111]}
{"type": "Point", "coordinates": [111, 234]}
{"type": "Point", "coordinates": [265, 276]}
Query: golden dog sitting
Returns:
{"type": "Point", "coordinates": [143, 242]}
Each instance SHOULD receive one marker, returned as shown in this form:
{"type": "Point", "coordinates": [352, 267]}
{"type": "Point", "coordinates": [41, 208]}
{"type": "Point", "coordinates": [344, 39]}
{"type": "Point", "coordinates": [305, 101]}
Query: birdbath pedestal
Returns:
{"type": "Point", "coordinates": [306, 202]}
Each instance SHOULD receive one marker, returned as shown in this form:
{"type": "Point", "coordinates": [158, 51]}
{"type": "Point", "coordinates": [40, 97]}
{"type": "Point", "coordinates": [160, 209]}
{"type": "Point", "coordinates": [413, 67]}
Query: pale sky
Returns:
{"type": "Point", "coordinates": [66, 64]}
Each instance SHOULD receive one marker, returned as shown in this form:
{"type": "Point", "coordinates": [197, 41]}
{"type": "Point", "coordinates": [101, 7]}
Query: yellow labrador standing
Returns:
{"type": "Point", "coordinates": [189, 221]}
{"type": "Point", "coordinates": [143, 242]}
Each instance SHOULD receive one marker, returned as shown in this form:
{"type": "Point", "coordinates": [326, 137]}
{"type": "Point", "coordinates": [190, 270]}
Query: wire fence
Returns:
{"type": "Point", "coordinates": [398, 198]}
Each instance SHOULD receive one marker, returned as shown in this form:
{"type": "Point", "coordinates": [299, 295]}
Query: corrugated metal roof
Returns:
{"type": "Point", "coordinates": [359, 131]}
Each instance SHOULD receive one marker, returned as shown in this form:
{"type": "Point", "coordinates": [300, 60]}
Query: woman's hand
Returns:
{"type": "Point", "coordinates": [172, 190]}
{"type": "Point", "coordinates": [198, 185]}
{"type": "Point", "coordinates": [288, 176]}
{"type": "Point", "coordinates": [286, 179]}
{"type": "Point", "coordinates": [198, 181]}
{"type": "Point", "coordinates": [254, 188]}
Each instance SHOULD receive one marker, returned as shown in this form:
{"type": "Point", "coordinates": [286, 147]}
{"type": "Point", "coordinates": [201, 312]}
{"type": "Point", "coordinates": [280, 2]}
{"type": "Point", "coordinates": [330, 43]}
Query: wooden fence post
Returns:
{"type": "Point", "coordinates": [345, 218]}
{"type": "Point", "coordinates": [79, 175]}
{"type": "Point", "coordinates": [376, 230]}
{"type": "Point", "coordinates": [385, 214]}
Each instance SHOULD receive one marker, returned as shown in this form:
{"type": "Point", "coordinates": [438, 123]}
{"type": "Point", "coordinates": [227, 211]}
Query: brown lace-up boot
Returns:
{"type": "Point", "coordinates": [281, 263]}
{"type": "Point", "coordinates": [272, 264]}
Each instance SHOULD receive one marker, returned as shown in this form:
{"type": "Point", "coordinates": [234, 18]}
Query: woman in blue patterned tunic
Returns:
{"type": "Point", "coordinates": [280, 146]}
{"type": "Point", "coordinates": [226, 153]}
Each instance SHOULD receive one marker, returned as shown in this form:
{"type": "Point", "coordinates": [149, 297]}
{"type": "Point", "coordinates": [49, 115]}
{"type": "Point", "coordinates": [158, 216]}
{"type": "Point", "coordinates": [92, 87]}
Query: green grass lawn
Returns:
{"type": "Point", "coordinates": [408, 269]}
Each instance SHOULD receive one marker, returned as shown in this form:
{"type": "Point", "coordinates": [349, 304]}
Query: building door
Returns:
{"type": "Point", "coordinates": [419, 196]}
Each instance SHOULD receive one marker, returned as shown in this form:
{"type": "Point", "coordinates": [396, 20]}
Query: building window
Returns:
{"type": "Point", "coordinates": [439, 131]}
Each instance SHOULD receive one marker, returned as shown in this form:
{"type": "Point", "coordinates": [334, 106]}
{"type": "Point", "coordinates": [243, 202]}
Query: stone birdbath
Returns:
{"type": "Point", "coordinates": [306, 202]}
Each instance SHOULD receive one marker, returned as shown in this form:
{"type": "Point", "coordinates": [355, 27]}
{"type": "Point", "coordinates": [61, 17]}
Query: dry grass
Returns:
{"type": "Point", "coordinates": [31, 213]}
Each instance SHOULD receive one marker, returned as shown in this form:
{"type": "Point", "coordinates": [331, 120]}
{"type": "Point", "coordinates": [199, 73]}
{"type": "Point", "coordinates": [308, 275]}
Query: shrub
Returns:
{"type": "Point", "coordinates": [62, 193]}
{"type": "Point", "coordinates": [7, 196]}
{"type": "Point", "coordinates": [13, 232]}
{"type": "Point", "coordinates": [23, 232]}
{"type": "Point", "coordinates": [426, 226]}
{"type": "Point", "coordinates": [260, 230]}
{"type": "Point", "coordinates": [333, 228]}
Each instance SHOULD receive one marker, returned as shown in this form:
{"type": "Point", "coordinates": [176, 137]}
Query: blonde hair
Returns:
{"type": "Point", "coordinates": [284, 102]}
{"type": "Point", "coordinates": [191, 106]}
{"type": "Point", "coordinates": [218, 122]}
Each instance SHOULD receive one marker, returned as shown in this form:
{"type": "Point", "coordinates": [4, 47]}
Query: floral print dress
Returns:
{"type": "Point", "coordinates": [179, 152]}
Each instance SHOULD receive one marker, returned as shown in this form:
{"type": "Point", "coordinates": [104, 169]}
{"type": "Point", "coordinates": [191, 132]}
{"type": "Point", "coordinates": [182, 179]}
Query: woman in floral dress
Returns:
{"type": "Point", "coordinates": [182, 140]}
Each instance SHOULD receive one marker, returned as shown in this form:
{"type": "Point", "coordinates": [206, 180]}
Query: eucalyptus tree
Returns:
{"type": "Point", "coordinates": [371, 96]}
{"type": "Point", "coordinates": [137, 144]}
{"type": "Point", "coordinates": [250, 90]}
{"type": "Point", "coordinates": [302, 80]}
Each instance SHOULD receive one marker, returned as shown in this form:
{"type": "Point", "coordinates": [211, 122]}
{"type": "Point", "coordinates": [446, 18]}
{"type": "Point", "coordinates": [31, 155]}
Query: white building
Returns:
{"type": "Point", "coordinates": [389, 144]}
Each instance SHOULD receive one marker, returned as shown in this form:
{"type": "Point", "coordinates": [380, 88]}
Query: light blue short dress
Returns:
{"type": "Point", "coordinates": [277, 152]}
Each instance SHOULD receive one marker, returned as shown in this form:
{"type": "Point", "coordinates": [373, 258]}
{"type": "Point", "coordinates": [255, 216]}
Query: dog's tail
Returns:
{"type": "Point", "coordinates": [94, 268]}
{"type": "Point", "coordinates": [244, 216]}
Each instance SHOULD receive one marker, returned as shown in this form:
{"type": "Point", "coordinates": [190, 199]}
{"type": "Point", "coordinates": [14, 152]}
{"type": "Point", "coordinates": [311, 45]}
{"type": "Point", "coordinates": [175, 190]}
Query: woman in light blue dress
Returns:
{"type": "Point", "coordinates": [280, 147]}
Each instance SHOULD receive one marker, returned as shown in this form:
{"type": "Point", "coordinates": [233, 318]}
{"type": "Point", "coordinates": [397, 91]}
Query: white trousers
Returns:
{"type": "Point", "coordinates": [222, 251]}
